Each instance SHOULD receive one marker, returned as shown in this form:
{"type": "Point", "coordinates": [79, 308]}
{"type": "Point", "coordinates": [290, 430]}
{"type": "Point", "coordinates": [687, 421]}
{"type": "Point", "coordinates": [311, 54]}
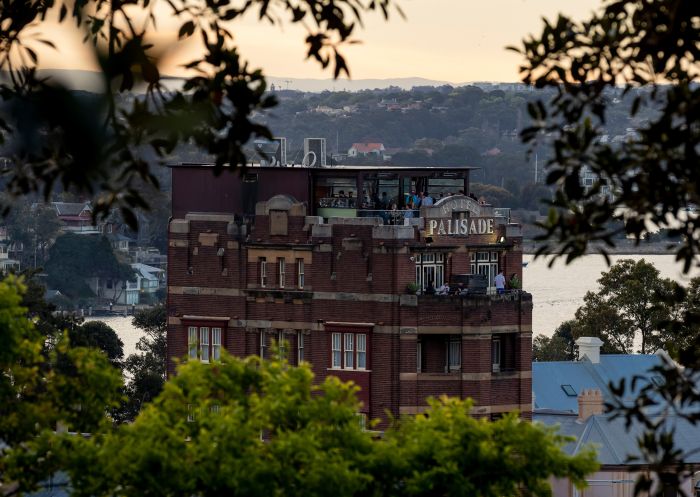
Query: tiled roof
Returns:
{"type": "Point", "coordinates": [365, 148]}
{"type": "Point", "coordinates": [549, 377]}
{"type": "Point", "coordinates": [613, 442]}
{"type": "Point", "coordinates": [70, 208]}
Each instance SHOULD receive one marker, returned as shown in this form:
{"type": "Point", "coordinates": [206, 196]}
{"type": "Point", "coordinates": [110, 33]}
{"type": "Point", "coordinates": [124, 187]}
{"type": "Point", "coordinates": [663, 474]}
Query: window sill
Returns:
{"type": "Point", "coordinates": [350, 370]}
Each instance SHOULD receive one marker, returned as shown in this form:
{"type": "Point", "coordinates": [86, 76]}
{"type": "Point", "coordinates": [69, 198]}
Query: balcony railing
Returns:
{"type": "Point", "coordinates": [395, 217]}
{"type": "Point", "coordinates": [390, 216]}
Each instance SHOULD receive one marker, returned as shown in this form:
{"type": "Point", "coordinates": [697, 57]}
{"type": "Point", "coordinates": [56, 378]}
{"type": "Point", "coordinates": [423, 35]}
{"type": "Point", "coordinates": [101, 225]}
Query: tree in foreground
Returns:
{"type": "Point", "coordinates": [643, 50]}
{"type": "Point", "coordinates": [250, 427]}
{"type": "Point", "coordinates": [646, 50]}
{"type": "Point", "coordinates": [103, 144]}
{"type": "Point", "coordinates": [245, 427]}
{"type": "Point", "coordinates": [37, 397]}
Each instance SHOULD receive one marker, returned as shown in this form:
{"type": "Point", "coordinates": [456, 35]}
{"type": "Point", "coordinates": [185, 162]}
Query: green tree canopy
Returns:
{"type": "Point", "coordinates": [98, 335]}
{"type": "Point", "coordinates": [37, 397]}
{"type": "Point", "coordinates": [559, 347]}
{"type": "Point", "coordinates": [629, 304]}
{"type": "Point", "coordinates": [204, 436]}
{"type": "Point", "coordinates": [74, 258]}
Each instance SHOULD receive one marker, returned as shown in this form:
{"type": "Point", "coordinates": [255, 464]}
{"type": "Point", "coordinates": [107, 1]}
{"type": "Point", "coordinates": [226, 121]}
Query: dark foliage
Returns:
{"type": "Point", "coordinates": [96, 147]}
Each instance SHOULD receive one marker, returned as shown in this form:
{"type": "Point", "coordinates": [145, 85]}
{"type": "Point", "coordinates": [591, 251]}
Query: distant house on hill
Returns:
{"type": "Point", "coordinates": [366, 149]}
{"type": "Point", "coordinates": [76, 217]}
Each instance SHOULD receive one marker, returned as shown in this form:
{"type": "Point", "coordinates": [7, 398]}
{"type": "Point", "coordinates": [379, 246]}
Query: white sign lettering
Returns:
{"type": "Point", "coordinates": [460, 227]}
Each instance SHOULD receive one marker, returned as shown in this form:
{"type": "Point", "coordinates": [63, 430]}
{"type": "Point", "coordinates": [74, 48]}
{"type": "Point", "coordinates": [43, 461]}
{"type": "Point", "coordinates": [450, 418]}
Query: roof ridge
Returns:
{"type": "Point", "coordinates": [603, 435]}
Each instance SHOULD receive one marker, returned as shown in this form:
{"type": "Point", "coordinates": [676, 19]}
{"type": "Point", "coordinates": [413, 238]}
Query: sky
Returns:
{"type": "Point", "coordinates": [448, 40]}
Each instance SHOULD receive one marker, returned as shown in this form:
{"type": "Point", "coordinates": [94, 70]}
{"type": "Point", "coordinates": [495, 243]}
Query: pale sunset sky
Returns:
{"type": "Point", "coordinates": [451, 40]}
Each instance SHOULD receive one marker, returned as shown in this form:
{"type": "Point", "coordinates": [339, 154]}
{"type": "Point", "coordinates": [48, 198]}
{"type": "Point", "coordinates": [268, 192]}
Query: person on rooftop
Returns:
{"type": "Point", "coordinates": [500, 282]}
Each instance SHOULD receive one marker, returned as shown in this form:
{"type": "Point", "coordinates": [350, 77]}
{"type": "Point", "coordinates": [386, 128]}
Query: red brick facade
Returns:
{"type": "Point", "coordinates": [355, 274]}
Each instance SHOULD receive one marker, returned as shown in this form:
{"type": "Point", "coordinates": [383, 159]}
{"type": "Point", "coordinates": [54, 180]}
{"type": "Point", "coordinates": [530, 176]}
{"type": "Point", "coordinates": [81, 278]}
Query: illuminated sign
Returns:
{"type": "Point", "coordinates": [460, 227]}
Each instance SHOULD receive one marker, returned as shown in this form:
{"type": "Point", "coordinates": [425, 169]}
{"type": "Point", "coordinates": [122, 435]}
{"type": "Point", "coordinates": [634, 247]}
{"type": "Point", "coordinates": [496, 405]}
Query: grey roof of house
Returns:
{"type": "Point", "coordinates": [614, 444]}
{"type": "Point", "coordinates": [69, 208]}
{"type": "Point", "coordinates": [548, 378]}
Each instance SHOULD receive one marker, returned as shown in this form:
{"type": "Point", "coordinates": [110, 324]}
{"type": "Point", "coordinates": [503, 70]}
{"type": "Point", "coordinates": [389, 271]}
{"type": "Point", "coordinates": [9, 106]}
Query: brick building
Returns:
{"type": "Point", "coordinates": [317, 257]}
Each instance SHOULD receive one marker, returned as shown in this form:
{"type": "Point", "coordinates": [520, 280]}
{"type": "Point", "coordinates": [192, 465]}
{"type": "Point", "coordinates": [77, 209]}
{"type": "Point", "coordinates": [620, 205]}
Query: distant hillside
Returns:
{"type": "Point", "coordinates": [318, 85]}
{"type": "Point", "coordinates": [92, 81]}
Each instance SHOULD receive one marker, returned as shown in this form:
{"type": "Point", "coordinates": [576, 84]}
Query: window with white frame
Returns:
{"type": "Point", "coordinates": [485, 263]}
{"type": "Point", "coordinates": [361, 351]}
{"type": "Point", "coordinates": [348, 348]}
{"type": "Point", "coordinates": [281, 266]}
{"type": "Point", "coordinates": [300, 347]}
{"type": "Point", "coordinates": [300, 274]}
{"type": "Point", "coordinates": [204, 343]}
{"type": "Point", "coordinates": [263, 272]}
{"type": "Point", "coordinates": [266, 342]}
{"type": "Point", "coordinates": [216, 343]}
{"type": "Point", "coordinates": [349, 351]}
{"type": "Point", "coordinates": [336, 351]}
{"type": "Point", "coordinates": [453, 354]}
{"type": "Point", "coordinates": [430, 268]}
{"type": "Point", "coordinates": [496, 355]}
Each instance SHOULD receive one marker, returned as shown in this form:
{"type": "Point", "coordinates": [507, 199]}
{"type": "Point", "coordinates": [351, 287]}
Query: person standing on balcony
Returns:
{"type": "Point", "coordinates": [427, 200]}
{"type": "Point", "coordinates": [500, 282]}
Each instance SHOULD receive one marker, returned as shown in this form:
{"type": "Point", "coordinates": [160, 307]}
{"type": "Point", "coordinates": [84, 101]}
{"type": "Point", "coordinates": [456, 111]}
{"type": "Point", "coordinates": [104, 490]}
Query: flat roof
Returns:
{"type": "Point", "coordinates": [339, 167]}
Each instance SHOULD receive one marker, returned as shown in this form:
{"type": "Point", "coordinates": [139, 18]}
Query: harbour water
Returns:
{"type": "Point", "coordinates": [557, 292]}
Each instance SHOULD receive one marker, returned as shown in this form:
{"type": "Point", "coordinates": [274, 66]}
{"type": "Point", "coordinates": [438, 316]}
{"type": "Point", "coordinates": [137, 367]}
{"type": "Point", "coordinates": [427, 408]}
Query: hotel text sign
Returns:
{"type": "Point", "coordinates": [460, 227]}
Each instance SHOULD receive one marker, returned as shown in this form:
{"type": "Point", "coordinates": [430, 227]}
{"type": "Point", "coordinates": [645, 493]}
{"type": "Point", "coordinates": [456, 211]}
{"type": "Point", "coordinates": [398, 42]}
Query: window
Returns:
{"type": "Point", "coordinates": [282, 345]}
{"type": "Point", "coordinates": [485, 263]}
{"type": "Point", "coordinates": [280, 263]}
{"type": "Point", "coordinates": [419, 356]}
{"type": "Point", "coordinates": [263, 344]}
{"type": "Point", "coordinates": [361, 351]}
{"type": "Point", "coordinates": [496, 355]}
{"type": "Point", "coordinates": [216, 343]}
{"type": "Point", "coordinates": [263, 272]}
{"type": "Point", "coordinates": [349, 351]}
{"type": "Point", "coordinates": [430, 268]}
{"type": "Point", "coordinates": [300, 347]}
{"type": "Point", "coordinates": [336, 351]}
{"type": "Point", "coordinates": [569, 390]}
{"type": "Point", "coordinates": [362, 419]}
{"type": "Point", "coordinates": [454, 354]}
{"type": "Point", "coordinates": [192, 342]}
{"type": "Point", "coordinates": [204, 343]}
{"type": "Point", "coordinates": [300, 274]}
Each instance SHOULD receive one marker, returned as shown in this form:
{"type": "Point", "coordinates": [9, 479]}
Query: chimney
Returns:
{"type": "Point", "coordinates": [589, 347]}
{"type": "Point", "coordinates": [590, 403]}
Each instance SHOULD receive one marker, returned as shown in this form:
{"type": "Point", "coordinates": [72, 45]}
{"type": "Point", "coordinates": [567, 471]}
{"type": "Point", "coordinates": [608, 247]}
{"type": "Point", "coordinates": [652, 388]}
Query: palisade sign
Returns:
{"type": "Point", "coordinates": [460, 227]}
